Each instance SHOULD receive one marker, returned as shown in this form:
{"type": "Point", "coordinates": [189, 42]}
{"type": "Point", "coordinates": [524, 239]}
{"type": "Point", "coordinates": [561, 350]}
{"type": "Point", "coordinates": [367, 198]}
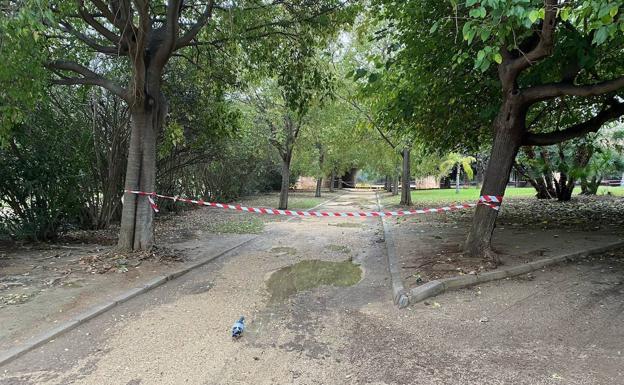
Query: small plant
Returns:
{"type": "Point", "coordinates": [457, 161]}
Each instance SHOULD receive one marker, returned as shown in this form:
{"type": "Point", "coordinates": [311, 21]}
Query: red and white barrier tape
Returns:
{"type": "Point", "coordinates": [482, 201]}
{"type": "Point", "coordinates": [491, 201]}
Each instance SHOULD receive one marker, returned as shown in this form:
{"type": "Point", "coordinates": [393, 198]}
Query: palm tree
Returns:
{"type": "Point", "coordinates": [458, 161]}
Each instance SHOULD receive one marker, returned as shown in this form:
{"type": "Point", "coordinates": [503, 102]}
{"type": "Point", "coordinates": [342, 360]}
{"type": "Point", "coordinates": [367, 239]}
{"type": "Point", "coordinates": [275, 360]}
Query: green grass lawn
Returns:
{"type": "Point", "coordinates": [472, 194]}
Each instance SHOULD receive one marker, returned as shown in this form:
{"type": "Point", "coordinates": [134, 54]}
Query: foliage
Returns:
{"type": "Point", "coordinates": [495, 24]}
{"type": "Point", "coordinates": [22, 78]}
{"type": "Point", "coordinates": [454, 159]}
{"type": "Point", "coordinates": [41, 180]}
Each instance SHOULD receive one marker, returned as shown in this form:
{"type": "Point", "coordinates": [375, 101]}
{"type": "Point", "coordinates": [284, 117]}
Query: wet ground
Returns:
{"type": "Point", "coordinates": [43, 285]}
{"type": "Point", "coordinates": [562, 326]}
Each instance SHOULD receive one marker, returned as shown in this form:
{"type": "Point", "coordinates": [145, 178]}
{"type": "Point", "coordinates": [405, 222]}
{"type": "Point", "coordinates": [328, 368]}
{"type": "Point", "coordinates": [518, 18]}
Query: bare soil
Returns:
{"type": "Point", "coordinates": [430, 246]}
{"type": "Point", "coordinates": [561, 327]}
{"type": "Point", "coordinates": [44, 284]}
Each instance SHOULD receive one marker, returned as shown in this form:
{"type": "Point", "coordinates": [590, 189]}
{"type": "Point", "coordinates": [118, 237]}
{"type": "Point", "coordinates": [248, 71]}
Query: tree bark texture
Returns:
{"type": "Point", "coordinates": [283, 201]}
{"type": "Point", "coordinates": [137, 220]}
{"type": "Point", "coordinates": [395, 185]}
{"type": "Point", "coordinates": [509, 126]}
{"type": "Point", "coordinates": [406, 192]}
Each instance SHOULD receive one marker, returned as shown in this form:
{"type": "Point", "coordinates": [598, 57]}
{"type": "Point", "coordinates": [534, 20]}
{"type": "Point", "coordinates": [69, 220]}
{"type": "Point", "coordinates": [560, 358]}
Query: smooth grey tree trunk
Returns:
{"type": "Point", "coordinates": [137, 228]}
{"type": "Point", "coordinates": [406, 191]}
{"type": "Point", "coordinates": [395, 185]}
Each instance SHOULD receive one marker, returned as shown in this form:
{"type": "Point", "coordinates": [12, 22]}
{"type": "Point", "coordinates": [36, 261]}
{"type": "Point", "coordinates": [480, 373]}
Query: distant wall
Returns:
{"type": "Point", "coordinates": [305, 183]}
{"type": "Point", "coordinates": [426, 183]}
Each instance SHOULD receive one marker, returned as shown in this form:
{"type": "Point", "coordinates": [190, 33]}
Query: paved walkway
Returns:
{"type": "Point", "coordinates": [563, 327]}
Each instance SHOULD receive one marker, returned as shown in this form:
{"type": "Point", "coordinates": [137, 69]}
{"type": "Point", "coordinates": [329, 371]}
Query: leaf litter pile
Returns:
{"type": "Point", "coordinates": [115, 261]}
{"type": "Point", "coordinates": [441, 255]}
{"type": "Point", "coordinates": [586, 213]}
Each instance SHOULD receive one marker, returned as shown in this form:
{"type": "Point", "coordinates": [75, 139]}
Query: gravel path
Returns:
{"type": "Point", "coordinates": [562, 327]}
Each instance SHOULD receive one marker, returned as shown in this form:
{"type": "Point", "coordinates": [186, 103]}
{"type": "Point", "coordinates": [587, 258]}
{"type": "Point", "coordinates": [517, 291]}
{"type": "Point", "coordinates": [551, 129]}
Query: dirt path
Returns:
{"type": "Point", "coordinates": [563, 327]}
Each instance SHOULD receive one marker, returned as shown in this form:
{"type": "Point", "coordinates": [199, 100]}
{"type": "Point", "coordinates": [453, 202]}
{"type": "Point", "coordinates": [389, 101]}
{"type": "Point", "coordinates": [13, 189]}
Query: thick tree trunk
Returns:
{"type": "Point", "coordinates": [283, 202]}
{"type": "Point", "coordinates": [137, 229]}
{"type": "Point", "coordinates": [457, 174]}
{"type": "Point", "coordinates": [406, 192]}
{"type": "Point", "coordinates": [332, 181]}
{"type": "Point", "coordinates": [509, 129]}
{"type": "Point", "coordinates": [319, 183]}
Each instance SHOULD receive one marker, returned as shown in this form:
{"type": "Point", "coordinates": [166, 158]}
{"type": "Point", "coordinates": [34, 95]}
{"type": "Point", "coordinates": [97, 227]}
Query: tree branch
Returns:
{"type": "Point", "coordinates": [614, 112]}
{"type": "Point", "coordinates": [99, 27]}
{"type": "Point", "coordinates": [171, 28]}
{"type": "Point", "coordinates": [107, 50]}
{"type": "Point", "coordinates": [89, 77]}
{"type": "Point", "coordinates": [548, 91]}
{"type": "Point", "coordinates": [195, 28]}
{"type": "Point", "coordinates": [114, 19]}
{"type": "Point", "coordinates": [513, 64]}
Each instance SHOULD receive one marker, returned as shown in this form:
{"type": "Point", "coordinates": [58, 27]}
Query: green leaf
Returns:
{"type": "Point", "coordinates": [614, 11]}
{"type": "Point", "coordinates": [466, 30]}
{"type": "Point", "coordinates": [434, 27]}
{"type": "Point", "coordinates": [601, 35]}
{"type": "Point", "coordinates": [534, 15]}
{"type": "Point", "coordinates": [498, 58]}
{"type": "Point", "coordinates": [565, 14]}
{"type": "Point", "coordinates": [485, 34]}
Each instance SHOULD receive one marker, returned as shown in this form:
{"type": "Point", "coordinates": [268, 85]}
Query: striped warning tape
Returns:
{"type": "Point", "coordinates": [491, 201]}
{"type": "Point", "coordinates": [488, 200]}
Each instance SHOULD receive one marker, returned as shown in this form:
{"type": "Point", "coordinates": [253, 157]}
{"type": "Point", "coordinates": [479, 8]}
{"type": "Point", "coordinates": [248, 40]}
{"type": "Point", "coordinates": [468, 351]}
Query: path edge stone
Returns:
{"type": "Point", "coordinates": [399, 294]}
{"type": "Point", "coordinates": [436, 287]}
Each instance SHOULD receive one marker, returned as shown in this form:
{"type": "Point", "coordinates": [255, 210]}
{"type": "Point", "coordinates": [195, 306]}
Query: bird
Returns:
{"type": "Point", "coordinates": [238, 328]}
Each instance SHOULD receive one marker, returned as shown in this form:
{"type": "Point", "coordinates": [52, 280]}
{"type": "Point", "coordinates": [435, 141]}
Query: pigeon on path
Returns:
{"type": "Point", "coordinates": [238, 328]}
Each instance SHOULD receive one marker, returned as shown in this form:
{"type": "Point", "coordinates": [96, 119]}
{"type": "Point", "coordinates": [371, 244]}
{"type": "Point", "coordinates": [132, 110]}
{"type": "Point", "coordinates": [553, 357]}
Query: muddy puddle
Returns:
{"type": "Point", "coordinates": [309, 274]}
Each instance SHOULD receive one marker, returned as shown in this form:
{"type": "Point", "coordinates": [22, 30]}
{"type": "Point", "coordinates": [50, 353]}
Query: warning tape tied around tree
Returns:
{"type": "Point", "coordinates": [492, 201]}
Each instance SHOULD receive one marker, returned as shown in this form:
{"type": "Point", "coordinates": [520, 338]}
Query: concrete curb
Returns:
{"type": "Point", "coordinates": [399, 295]}
{"type": "Point", "coordinates": [37, 341]}
{"type": "Point", "coordinates": [436, 287]}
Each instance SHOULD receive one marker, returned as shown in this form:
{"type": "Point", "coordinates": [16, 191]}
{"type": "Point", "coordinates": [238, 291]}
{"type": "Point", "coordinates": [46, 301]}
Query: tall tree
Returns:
{"type": "Point", "coordinates": [544, 50]}
{"type": "Point", "coordinates": [146, 34]}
